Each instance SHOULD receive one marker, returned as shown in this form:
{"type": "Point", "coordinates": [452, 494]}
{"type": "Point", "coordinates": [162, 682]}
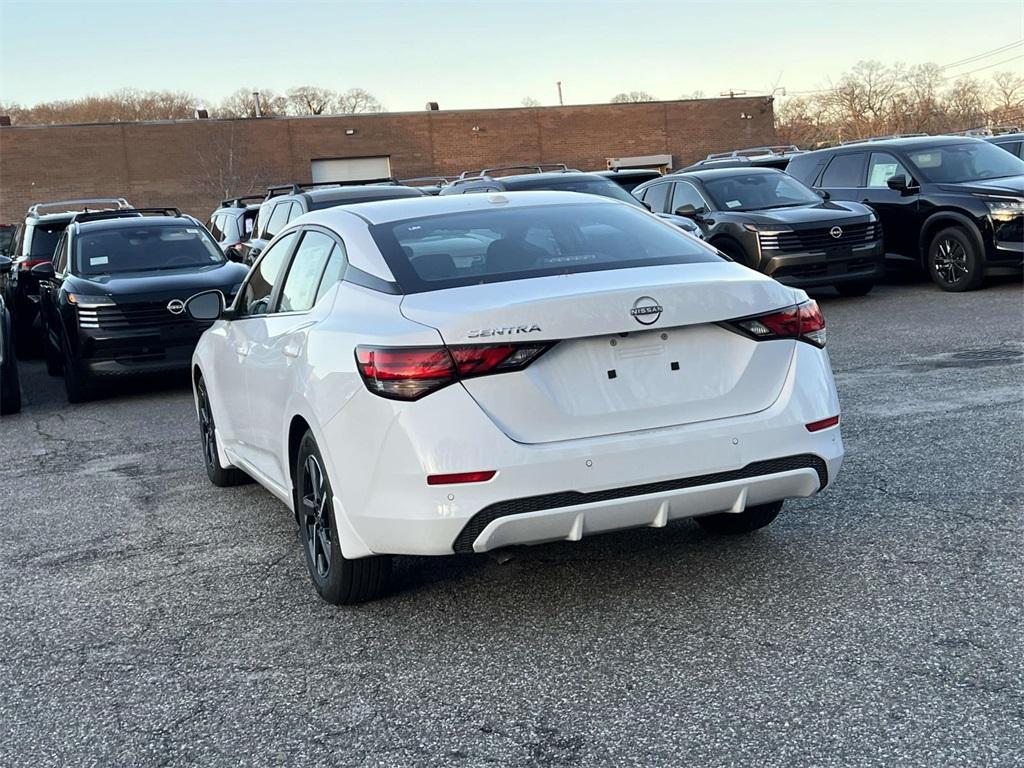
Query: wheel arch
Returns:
{"type": "Point", "coordinates": [941, 220]}
{"type": "Point", "coordinates": [297, 428]}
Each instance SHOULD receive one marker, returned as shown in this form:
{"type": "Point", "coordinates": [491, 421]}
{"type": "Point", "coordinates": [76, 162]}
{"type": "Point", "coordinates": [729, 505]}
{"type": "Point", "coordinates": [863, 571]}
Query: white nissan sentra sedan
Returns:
{"type": "Point", "coordinates": [442, 375]}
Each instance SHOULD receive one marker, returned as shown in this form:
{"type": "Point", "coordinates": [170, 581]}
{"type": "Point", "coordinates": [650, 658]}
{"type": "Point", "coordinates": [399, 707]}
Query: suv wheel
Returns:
{"type": "Point", "coordinates": [76, 381]}
{"type": "Point", "coordinates": [750, 519]}
{"type": "Point", "coordinates": [734, 251]}
{"type": "Point", "coordinates": [954, 262]}
{"type": "Point", "coordinates": [219, 476]}
{"type": "Point", "coordinates": [855, 287]}
{"type": "Point", "coordinates": [337, 579]}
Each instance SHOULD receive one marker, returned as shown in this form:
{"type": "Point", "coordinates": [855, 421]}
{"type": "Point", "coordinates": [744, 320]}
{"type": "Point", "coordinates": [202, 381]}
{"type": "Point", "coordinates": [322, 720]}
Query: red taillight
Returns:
{"type": "Point", "coordinates": [461, 477]}
{"type": "Point", "coordinates": [27, 264]}
{"type": "Point", "coordinates": [409, 373]}
{"type": "Point", "coordinates": [803, 321]}
{"type": "Point", "coordinates": [817, 426]}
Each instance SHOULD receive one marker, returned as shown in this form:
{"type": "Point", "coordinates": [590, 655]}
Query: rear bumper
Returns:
{"type": "Point", "coordinates": [567, 489]}
{"type": "Point", "coordinates": [817, 268]}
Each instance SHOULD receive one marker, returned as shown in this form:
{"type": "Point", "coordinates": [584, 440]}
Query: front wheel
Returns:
{"type": "Point", "coordinates": [337, 579]}
{"type": "Point", "coordinates": [750, 519]}
{"type": "Point", "coordinates": [76, 381]}
{"type": "Point", "coordinates": [855, 287]}
{"type": "Point", "coordinates": [954, 262]}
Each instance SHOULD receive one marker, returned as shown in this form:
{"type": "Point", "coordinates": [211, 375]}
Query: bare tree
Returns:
{"type": "Point", "coordinates": [241, 103]}
{"type": "Point", "coordinates": [223, 167]}
{"type": "Point", "coordinates": [311, 100]}
{"type": "Point", "coordinates": [697, 94]}
{"type": "Point", "coordinates": [632, 97]}
{"type": "Point", "coordinates": [357, 100]}
{"type": "Point", "coordinates": [529, 101]}
{"type": "Point", "coordinates": [1008, 92]}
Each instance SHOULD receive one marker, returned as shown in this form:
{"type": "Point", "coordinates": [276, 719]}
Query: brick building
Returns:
{"type": "Point", "coordinates": [193, 163]}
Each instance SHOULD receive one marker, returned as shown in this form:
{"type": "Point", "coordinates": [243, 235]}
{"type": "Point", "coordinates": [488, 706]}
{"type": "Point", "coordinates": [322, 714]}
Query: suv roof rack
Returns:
{"type": "Point", "coordinates": [883, 138]}
{"type": "Point", "coordinates": [123, 213]}
{"type": "Point", "coordinates": [80, 205]}
{"type": "Point", "coordinates": [530, 167]}
{"type": "Point", "coordinates": [774, 149]}
{"type": "Point", "coordinates": [296, 188]}
{"type": "Point", "coordinates": [236, 202]}
{"type": "Point", "coordinates": [988, 130]}
{"type": "Point", "coordinates": [425, 181]}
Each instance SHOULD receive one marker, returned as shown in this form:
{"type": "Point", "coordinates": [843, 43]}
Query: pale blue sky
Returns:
{"type": "Point", "coordinates": [483, 54]}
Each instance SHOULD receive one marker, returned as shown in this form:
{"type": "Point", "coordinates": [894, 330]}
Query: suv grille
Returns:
{"type": "Point", "coordinates": [818, 239]}
{"type": "Point", "coordinates": [146, 315]}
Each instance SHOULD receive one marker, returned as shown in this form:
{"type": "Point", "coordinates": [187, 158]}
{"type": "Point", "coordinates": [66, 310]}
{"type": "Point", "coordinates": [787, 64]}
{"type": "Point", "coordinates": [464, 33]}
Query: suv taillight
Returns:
{"type": "Point", "coordinates": [409, 373]}
{"type": "Point", "coordinates": [803, 322]}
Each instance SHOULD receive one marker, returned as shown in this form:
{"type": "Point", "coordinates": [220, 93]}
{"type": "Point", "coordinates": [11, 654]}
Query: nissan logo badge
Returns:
{"type": "Point", "coordinates": [836, 232]}
{"type": "Point", "coordinates": [176, 306]}
{"type": "Point", "coordinates": [646, 310]}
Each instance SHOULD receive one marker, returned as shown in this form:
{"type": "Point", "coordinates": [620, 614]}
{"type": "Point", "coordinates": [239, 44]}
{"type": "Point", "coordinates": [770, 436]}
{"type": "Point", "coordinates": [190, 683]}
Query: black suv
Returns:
{"type": "Point", "coordinates": [285, 202]}
{"type": "Point", "coordinates": [34, 242]}
{"type": "Point", "coordinates": [777, 157]}
{"type": "Point", "coordinates": [233, 222]}
{"type": "Point", "coordinates": [1011, 142]}
{"type": "Point", "coordinates": [551, 177]}
{"type": "Point", "coordinates": [630, 178]}
{"type": "Point", "coordinates": [10, 387]}
{"type": "Point", "coordinates": [952, 204]}
{"type": "Point", "coordinates": [113, 300]}
{"type": "Point", "coordinates": [770, 222]}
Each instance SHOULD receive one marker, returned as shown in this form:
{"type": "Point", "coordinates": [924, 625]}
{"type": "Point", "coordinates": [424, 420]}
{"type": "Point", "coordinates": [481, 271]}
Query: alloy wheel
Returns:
{"type": "Point", "coordinates": [316, 516]}
{"type": "Point", "coordinates": [206, 427]}
{"type": "Point", "coordinates": [950, 261]}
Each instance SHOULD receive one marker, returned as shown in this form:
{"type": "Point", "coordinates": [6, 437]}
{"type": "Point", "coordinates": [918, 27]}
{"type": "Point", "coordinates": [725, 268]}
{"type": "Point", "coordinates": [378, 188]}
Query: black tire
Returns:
{"type": "Point", "coordinates": [954, 262]}
{"type": "Point", "coordinates": [732, 523]}
{"type": "Point", "coordinates": [10, 389]}
{"type": "Point", "coordinates": [219, 476]}
{"type": "Point", "coordinates": [76, 381]}
{"type": "Point", "coordinates": [855, 287]}
{"type": "Point", "coordinates": [54, 363]}
{"type": "Point", "coordinates": [24, 343]}
{"type": "Point", "coordinates": [337, 579]}
{"type": "Point", "coordinates": [734, 251]}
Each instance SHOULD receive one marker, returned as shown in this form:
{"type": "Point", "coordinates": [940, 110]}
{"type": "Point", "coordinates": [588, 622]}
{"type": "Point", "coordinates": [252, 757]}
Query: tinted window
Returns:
{"type": "Point", "coordinates": [845, 171]}
{"type": "Point", "coordinates": [278, 219]}
{"type": "Point", "coordinates": [758, 191]}
{"type": "Point", "coordinates": [881, 167]}
{"type": "Point", "coordinates": [335, 269]}
{"type": "Point", "coordinates": [300, 287]}
{"type": "Point", "coordinates": [248, 224]}
{"type": "Point", "coordinates": [145, 249]}
{"type": "Point", "coordinates": [255, 297]}
{"type": "Point", "coordinates": [656, 196]}
{"type": "Point", "coordinates": [495, 245]}
{"type": "Point", "coordinates": [45, 238]}
{"type": "Point", "coordinates": [952, 163]}
{"type": "Point", "coordinates": [6, 239]}
{"type": "Point", "coordinates": [295, 212]}
{"type": "Point", "coordinates": [263, 217]}
{"type": "Point", "coordinates": [214, 227]}
{"type": "Point", "coordinates": [685, 194]}
{"type": "Point", "coordinates": [318, 205]}
{"type": "Point", "coordinates": [60, 256]}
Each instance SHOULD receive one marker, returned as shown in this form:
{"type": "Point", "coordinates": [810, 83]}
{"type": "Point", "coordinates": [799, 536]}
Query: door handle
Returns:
{"type": "Point", "coordinates": [291, 349]}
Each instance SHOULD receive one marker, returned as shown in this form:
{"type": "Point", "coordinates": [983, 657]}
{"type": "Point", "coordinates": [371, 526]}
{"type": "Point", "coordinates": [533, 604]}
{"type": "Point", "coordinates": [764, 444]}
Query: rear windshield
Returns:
{"type": "Point", "coordinates": [599, 186]}
{"type": "Point", "coordinates": [45, 238]}
{"type": "Point", "coordinates": [489, 246]}
{"type": "Point", "coordinates": [319, 205]}
{"type": "Point", "coordinates": [145, 249]}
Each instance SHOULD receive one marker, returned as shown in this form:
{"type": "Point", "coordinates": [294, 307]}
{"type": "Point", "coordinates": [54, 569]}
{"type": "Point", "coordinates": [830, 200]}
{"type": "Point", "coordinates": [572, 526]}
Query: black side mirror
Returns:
{"type": "Point", "coordinates": [206, 306]}
{"type": "Point", "coordinates": [898, 182]}
{"type": "Point", "coordinates": [42, 271]}
{"type": "Point", "coordinates": [233, 254]}
{"type": "Point", "coordinates": [824, 194]}
{"type": "Point", "coordinates": [686, 211]}
{"type": "Point", "coordinates": [5, 265]}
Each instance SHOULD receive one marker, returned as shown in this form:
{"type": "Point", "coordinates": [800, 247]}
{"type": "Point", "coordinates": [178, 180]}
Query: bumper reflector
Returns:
{"type": "Point", "coordinates": [461, 477]}
{"type": "Point", "coordinates": [817, 426]}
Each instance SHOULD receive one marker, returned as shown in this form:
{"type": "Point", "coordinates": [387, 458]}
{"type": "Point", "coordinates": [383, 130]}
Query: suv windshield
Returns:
{"type": "Point", "coordinates": [602, 187]}
{"type": "Point", "coordinates": [972, 161]}
{"type": "Point", "coordinates": [145, 249]}
{"type": "Point", "coordinates": [487, 246]}
{"type": "Point", "coordinates": [758, 191]}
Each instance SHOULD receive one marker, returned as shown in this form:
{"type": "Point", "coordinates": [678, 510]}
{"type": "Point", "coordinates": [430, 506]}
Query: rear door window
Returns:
{"type": "Point", "coordinates": [300, 287]}
{"type": "Point", "coordinates": [845, 171]}
{"type": "Point", "coordinates": [686, 194]}
{"type": "Point", "coordinates": [656, 196]}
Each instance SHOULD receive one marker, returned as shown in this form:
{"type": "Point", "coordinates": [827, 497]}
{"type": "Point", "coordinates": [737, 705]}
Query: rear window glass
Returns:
{"type": "Point", "coordinates": [145, 249]}
{"type": "Point", "coordinates": [45, 238]}
{"type": "Point", "coordinates": [487, 246]}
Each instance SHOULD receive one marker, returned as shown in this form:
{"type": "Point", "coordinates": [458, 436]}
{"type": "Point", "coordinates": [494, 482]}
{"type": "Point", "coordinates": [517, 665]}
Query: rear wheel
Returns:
{"type": "Point", "coordinates": [219, 476]}
{"type": "Point", "coordinates": [954, 262]}
{"type": "Point", "coordinates": [76, 381]}
{"type": "Point", "coordinates": [855, 287]}
{"type": "Point", "coordinates": [750, 519]}
{"type": "Point", "coordinates": [337, 579]}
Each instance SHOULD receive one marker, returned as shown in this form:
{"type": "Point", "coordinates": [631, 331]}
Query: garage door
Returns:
{"type": "Point", "coordinates": [351, 168]}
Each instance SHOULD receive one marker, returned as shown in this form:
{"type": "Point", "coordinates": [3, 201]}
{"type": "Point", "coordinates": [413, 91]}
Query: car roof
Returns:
{"type": "Point", "coordinates": [124, 222]}
{"type": "Point", "coordinates": [906, 142]}
{"type": "Point", "coordinates": [708, 174]}
{"type": "Point", "coordinates": [1007, 137]}
{"type": "Point", "coordinates": [545, 176]}
{"type": "Point", "coordinates": [385, 211]}
{"type": "Point", "coordinates": [611, 174]}
{"type": "Point", "coordinates": [360, 192]}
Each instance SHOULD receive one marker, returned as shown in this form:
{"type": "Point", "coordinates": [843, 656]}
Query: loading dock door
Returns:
{"type": "Point", "coordinates": [351, 168]}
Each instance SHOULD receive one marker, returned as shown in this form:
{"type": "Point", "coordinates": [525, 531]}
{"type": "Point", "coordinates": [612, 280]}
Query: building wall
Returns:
{"type": "Point", "coordinates": [194, 163]}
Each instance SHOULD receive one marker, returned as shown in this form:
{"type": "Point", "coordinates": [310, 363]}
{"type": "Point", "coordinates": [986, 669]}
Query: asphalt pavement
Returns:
{"type": "Point", "coordinates": [149, 618]}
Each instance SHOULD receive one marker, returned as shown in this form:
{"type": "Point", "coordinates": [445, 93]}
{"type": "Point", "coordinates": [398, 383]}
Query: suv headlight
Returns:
{"type": "Point", "coordinates": [89, 300]}
{"type": "Point", "coordinates": [1004, 207]}
{"type": "Point", "coordinates": [767, 229]}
